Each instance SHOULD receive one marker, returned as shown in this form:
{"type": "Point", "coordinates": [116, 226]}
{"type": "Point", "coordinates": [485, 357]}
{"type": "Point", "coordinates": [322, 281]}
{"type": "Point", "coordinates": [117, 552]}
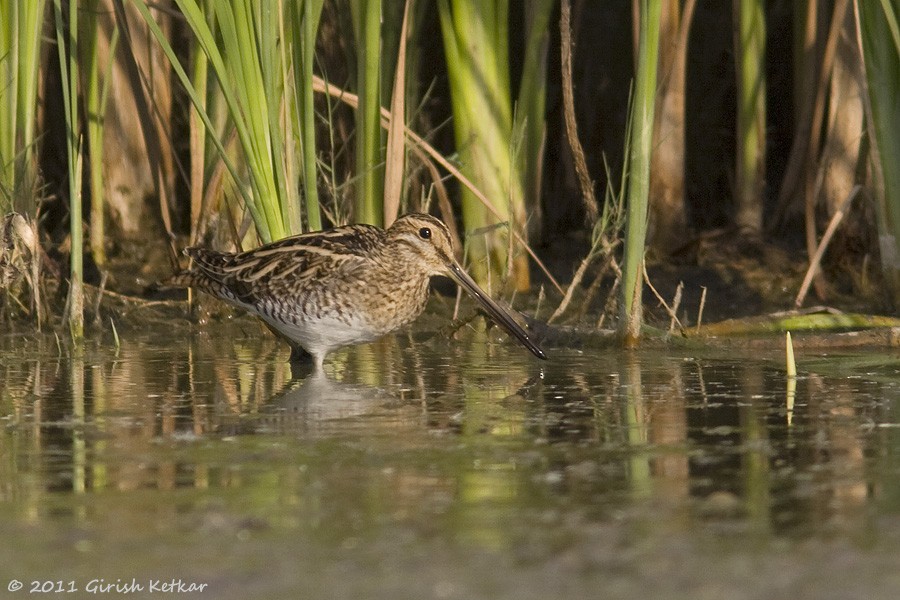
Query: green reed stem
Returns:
{"type": "Point", "coordinates": [369, 144]}
{"type": "Point", "coordinates": [751, 114]}
{"type": "Point", "coordinates": [9, 47]}
{"type": "Point", "coordinates": [532, 99]}
{"type": "Point", "coordinates": [312, 11]}
{"type": "Point", "coordinates": [93, 106]}
{"type": "Point", "coordinates": [67, 44]}
{"type": "Point", "coordinates": [200, 84]}
{"type": "Point", "coordinates": [641, 146]}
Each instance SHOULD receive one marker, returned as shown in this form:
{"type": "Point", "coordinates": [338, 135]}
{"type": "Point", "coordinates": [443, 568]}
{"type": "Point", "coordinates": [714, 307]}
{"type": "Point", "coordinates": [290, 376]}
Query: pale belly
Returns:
{"type": "Point", "coordinates": [326, 334]}
{"type": "Point", "coordinates": [323, 329]}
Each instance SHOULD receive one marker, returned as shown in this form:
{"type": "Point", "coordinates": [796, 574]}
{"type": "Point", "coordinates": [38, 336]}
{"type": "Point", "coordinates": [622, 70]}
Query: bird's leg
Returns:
{"type": "Point", "coordinates": [299, 354]}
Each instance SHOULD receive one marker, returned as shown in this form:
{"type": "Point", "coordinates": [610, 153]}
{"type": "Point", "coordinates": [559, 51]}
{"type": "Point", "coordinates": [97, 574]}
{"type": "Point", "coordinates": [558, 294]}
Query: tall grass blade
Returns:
{"type": "Point", "coordinates": [531, 101]}
{"type": "Point", "coordinates": [196, 20]}
{"type": "Point", "coordinates": [9, 84]}
{"type": "Point", "coordinates": [880, 42]}
{"type": "Point", "coordinates": [20, 37]}
{"type": "Point", "coordinates": [476, 39]}
{"type": "Point", "coordinates": [267, 29]}
{"type": "Point", "coordinates": [244, 55]}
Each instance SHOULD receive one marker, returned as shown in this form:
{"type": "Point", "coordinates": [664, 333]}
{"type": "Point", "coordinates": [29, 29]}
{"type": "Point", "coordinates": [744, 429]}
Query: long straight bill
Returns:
{"type": "Point", "coordinates": [498, 314]}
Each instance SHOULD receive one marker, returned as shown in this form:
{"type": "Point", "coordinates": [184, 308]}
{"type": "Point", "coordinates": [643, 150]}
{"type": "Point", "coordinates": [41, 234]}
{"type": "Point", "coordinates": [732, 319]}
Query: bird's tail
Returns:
{"type": "Point", "coordinates": [184, 279]}
{"type": "Point", "coordinates": [197, 280]}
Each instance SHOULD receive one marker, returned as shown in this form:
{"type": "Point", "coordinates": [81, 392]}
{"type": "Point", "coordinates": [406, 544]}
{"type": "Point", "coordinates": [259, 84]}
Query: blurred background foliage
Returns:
{"type": "Point", "coordinates": [233, 123]}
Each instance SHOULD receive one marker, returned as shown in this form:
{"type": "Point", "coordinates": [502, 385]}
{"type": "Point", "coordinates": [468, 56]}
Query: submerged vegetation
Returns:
{"type": "Point", "coordinates": [234, 123]}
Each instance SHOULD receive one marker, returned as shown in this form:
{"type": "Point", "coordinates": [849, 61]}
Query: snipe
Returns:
{"type": "Point", "coordinates": [329, 289]}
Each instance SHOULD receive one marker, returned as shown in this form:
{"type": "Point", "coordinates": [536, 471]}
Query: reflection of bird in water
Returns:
{"type": "Point", "coordinates": [308, 403]}
{"type": "Point", "coordinates": [349, 285]}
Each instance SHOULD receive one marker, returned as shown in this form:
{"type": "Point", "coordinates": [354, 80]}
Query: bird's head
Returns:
{"type": "Point", "coordinates": [429, 240]}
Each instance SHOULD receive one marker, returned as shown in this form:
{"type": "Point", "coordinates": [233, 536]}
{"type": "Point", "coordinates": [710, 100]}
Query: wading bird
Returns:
{"type": "Point", "coordinates": [328, 289]}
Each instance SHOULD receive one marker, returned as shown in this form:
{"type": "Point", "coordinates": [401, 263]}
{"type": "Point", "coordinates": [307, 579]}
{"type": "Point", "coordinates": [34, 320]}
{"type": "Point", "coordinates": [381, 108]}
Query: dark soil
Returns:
{"type": "Point", "coordinates": [742, 274]}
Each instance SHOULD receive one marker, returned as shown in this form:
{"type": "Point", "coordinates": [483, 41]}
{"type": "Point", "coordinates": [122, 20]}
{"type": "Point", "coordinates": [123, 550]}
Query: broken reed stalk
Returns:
{"type": "Point", "coordinates": [592, 289]}
{"type": "Point", "coordinates": [396, 146]}
{"type": "Point", "coordinates": [540, 300]}
{"type": "Point", "coordinates": [609, 307]}
{"type": "Point", "coordinates": [570, 291]}
{"type": "Point", "coordinates": [700, 310]}
{"type": "Point", "coordinates": [816, 260]}
{"type": "Point", "coordinates": [669, 311]}
{"type": "Point", "coordinates": [791, 387]}
{"type": "Point", "coordinates": [791, 365]}
{"type": "Point", "coordinates": [676, 302]}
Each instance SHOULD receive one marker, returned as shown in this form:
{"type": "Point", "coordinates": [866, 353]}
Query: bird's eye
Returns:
{"type": "Point", "coordinates": [425, 233]}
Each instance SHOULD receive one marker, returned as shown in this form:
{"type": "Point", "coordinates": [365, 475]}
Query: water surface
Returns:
{"type": "Point", "coordinates": [423, 467]}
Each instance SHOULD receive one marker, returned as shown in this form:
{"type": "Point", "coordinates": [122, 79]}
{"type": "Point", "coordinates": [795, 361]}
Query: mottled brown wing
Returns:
{"type": "Point", "coordinates": [286, 268]}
